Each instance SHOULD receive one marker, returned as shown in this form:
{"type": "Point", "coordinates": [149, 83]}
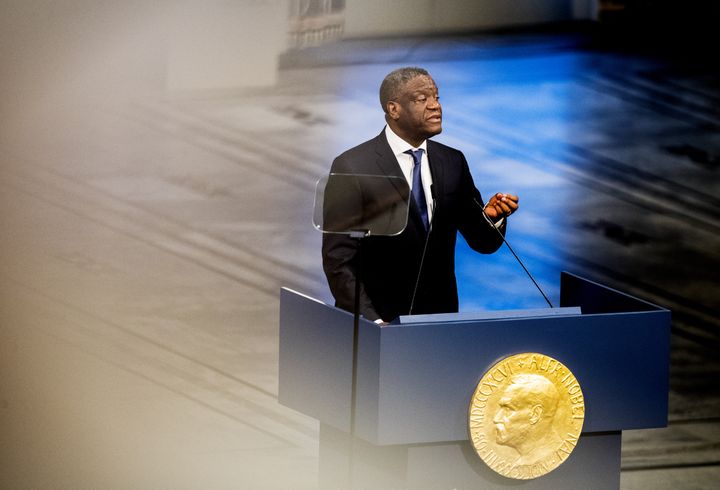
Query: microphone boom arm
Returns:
{"type": "Point", "coordinates": [490, 222]}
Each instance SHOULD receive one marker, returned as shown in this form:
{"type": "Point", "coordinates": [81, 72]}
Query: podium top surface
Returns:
{"type": "Point", "coordinates": [485, 315]}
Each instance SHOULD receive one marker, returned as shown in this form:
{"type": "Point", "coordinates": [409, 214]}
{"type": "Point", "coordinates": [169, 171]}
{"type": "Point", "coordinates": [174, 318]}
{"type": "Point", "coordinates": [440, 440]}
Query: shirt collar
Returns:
{"type": "Point", "coordinates": [399, 145]}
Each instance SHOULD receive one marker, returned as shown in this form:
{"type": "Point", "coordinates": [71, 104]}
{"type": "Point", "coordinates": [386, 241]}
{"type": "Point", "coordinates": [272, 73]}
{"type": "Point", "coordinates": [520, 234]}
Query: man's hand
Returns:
{"type": "Point", "coordinates": [501, 206]}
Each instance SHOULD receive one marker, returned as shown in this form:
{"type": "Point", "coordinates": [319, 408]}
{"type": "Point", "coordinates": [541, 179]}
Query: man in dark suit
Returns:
{"type": "Point", "coordinates": [394, 277]}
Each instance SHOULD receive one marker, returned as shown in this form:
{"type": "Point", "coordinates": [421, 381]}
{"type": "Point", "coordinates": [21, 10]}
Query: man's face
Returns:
{"type": "Point", "coordinates": [513, 419]}
{"type": "Point", "coordinates": [417, 113]}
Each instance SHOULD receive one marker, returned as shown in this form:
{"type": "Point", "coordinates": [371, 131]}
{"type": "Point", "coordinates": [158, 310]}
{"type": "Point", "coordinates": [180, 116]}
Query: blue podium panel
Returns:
{"type": "Point", "coordinates": [415, 380]}
{"type": "Point", "coordinates": [428, 372]}
{"type": "Point", "coordinates": [315, 356]}
{"type": "Point", "coordinates": [597, 298]}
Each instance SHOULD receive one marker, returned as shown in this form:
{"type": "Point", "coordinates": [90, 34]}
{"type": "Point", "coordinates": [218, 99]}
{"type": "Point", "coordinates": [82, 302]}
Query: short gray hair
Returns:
{"type": "Point", "coordinates": [393, 82]}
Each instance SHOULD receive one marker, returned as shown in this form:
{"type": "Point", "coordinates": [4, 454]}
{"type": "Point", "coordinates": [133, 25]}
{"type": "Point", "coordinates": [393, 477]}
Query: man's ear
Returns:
{"type": "Point", "coordinates": [535, 414]}
{"type": "Point", "coordinates": [393, 109]}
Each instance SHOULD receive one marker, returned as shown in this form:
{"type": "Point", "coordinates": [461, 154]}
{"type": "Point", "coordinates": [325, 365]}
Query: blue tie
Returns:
{"type": "Point", "coordinates": [418, 193]}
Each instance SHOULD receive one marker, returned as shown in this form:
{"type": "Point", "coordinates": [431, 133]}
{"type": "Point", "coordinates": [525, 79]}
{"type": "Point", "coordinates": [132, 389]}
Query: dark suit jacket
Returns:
{"type": "Point", "coordinates": [390, 265]}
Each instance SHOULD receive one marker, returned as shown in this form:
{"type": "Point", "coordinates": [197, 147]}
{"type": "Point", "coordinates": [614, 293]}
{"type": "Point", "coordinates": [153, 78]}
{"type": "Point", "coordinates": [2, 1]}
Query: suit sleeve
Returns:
{"type": "Point", "coordinates": [340, 253]}
{"type": "Point", "coordinates": [472, 224]}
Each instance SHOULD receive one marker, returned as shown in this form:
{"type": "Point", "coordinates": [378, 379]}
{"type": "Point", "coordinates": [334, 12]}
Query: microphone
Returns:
{"type": "Point", "coordinates": [427, 240]}
{"type": "Point", "coordinates": [492, 225]}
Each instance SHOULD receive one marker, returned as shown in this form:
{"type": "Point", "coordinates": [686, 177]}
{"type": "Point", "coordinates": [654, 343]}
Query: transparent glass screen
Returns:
{"type": "Point", "coordinates": [369, 204]}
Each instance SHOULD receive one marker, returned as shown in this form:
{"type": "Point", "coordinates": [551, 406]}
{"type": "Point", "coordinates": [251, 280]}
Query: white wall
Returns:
{"type": "Point", "coordinates": [396, 17]}
{"type": "Point", "coordinates": [103, 47]}
{"type": "Point", "coordinates": [216, 44]}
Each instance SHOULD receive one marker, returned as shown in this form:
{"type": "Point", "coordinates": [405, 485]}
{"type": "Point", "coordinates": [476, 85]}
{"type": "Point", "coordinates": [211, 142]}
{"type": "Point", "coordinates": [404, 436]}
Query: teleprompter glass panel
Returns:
{"type": "Point", "coordinates": [368, 204]}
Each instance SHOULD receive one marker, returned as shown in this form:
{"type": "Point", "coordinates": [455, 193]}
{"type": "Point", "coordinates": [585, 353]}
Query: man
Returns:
{"type": "Point", "coordinates": [444, 201]}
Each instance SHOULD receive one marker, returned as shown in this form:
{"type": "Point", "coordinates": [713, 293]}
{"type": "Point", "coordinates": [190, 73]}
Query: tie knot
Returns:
{"type": "Point", "coordinates": [416, 154]}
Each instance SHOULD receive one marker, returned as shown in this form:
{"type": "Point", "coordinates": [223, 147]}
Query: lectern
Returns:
{"type": "Point", "coordinates": [415, 380]}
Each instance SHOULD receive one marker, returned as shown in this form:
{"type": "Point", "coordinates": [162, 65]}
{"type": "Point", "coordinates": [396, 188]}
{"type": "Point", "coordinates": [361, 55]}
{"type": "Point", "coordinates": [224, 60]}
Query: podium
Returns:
{"type": "Point", "coordinates": [415, 380]}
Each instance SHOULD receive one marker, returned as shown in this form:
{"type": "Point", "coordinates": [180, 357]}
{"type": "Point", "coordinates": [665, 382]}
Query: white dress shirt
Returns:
{"type": "Point", "coordinates": [399, 146]}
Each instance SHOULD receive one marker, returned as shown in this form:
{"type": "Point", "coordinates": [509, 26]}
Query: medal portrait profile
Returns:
{"type": "Point", "coordinates": [526, 415]}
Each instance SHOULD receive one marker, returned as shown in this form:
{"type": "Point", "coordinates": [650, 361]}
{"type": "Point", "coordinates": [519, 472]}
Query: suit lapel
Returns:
{"type": "Point", "coordinates": [437, 168]}
{"type": "Point", "coordinates": [388, 165]}
{"type": "Point", "coordinates": [386, 160]}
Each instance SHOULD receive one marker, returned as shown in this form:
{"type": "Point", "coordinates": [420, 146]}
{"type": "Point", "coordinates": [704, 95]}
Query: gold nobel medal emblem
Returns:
{"type": "Point", "coordinates": [526, 416]}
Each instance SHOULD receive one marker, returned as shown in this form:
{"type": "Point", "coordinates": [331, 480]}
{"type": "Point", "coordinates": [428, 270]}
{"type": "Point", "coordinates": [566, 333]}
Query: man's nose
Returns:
{"type": "Point", "coordinates": [434, 103]}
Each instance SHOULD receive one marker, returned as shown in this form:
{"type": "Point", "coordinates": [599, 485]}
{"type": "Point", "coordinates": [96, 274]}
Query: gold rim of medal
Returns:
{"type": "Point", "coordinates": [526, 415]}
